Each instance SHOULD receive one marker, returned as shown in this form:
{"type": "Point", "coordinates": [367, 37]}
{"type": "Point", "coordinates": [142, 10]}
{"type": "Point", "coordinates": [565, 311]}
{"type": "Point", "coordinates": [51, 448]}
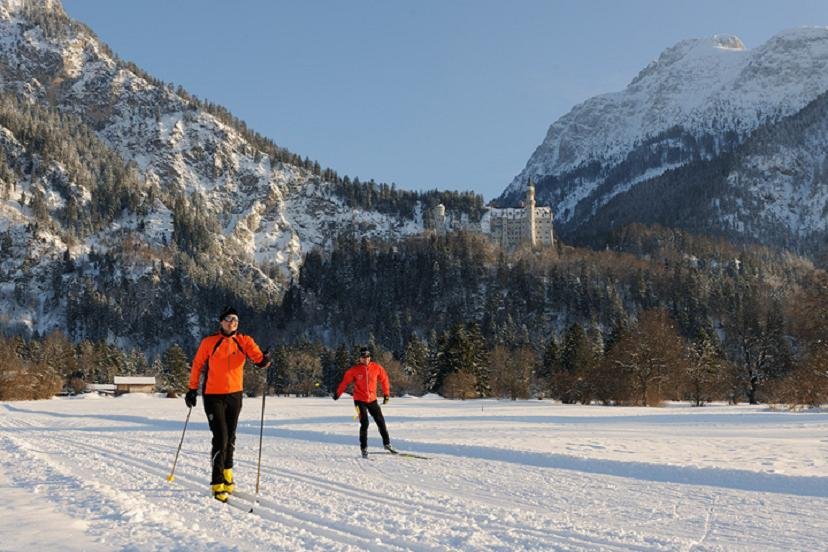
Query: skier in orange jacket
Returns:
{"type": "Point", "coordinates": [364, 376]}
{"type": "Point", "coordinates": [219, 364]}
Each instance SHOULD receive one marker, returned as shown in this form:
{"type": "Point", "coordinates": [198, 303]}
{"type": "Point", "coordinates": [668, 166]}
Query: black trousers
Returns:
{"type": "Point", "coordinates": [223, 415]}
{"type": "Point", "coordinates": [376, 414]}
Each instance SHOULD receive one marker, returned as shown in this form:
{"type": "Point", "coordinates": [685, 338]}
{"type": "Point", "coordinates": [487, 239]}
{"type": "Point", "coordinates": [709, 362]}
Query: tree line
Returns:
{"type": "Point", "coordinates": [644, 364]}
{"type": "Point", "coordinates": [577, 318]}
{"type": "Point", "coordinates": [660, 315]}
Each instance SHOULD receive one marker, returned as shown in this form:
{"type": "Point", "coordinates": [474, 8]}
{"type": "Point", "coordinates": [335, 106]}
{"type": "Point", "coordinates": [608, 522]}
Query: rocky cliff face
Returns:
{"type": "Point", "coordinates": [250, 209]}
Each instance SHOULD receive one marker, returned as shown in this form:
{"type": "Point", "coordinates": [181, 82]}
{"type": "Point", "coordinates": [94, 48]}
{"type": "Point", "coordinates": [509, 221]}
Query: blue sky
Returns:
{"type": "Point", "coordinates": [448, 94]}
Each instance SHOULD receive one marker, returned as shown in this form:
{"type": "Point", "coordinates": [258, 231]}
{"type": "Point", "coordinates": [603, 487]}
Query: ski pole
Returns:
{"type": "Point", "coordinates": [171, 477]}
{"type": "Point", "coordinates": [261, 432]}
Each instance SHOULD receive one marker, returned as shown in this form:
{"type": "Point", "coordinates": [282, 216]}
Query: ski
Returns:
{"type": "Point", "coordinates": [412, 455]}
{"type": "Point", "coordinates": [234, 502]}
{"type": "Point", "coordinates": [242, 501]}
{"type": "Point", "coordinates": [253, 500]}
{"type": "Point", "coordinates": [403, 454]}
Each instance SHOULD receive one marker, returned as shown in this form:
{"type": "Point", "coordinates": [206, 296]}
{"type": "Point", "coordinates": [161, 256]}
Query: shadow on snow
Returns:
{"type": "Point", "coordinates": [744, 480]}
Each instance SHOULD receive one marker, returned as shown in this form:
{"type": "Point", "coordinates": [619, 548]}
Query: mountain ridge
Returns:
{"type": "Point", "coordinates": [699, 100]}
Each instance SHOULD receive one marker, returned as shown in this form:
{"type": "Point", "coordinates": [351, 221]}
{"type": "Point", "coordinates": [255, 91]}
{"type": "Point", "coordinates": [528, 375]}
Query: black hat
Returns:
{"type": "Point", "coordinates": [364, 352]}
{"type": "Point", "coordinates": [227, 311]}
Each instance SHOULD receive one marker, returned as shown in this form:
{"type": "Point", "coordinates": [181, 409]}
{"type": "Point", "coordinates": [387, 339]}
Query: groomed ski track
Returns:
{"type": "Point", "coordinates": [316, 493]}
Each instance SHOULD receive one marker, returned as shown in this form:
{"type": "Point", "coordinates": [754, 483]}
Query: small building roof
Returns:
{"type": "Point", "coordinates": [134, 380]}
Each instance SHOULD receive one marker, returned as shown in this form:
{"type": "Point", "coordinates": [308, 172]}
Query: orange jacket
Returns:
{"type": "Point", "coordinates": [221, 359]}
{"type": "Point", "coordinates": [365, 381]}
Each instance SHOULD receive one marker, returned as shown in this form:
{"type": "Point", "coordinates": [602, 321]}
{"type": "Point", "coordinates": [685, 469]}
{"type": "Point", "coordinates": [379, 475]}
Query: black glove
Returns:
{"type": "Point", "coordinates": [265, 362]}
{"type": "Point", "coordinates": [336, 397]}
{"type": "Point", "coordinates": [385, 399]}
{"type": "Point", "coordinates": [190, 397]}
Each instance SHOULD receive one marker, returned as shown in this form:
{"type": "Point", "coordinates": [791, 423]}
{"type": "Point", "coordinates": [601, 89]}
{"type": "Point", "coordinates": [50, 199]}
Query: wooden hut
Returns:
{"type": "Point", "coordinates": [134, 384]}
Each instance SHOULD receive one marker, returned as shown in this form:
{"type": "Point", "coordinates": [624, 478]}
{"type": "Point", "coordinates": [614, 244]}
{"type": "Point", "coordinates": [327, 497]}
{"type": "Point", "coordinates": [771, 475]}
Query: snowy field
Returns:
{"type": "Point", "coordinates": [90, 474]}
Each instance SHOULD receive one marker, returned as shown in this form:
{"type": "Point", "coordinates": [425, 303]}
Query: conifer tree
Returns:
{"type": "Point", "coordinates": [415, 359]}
{"type": "Point", "coordinates": [549, 364]}
{"type": "Point", "coordinates": [577, 359]}
{"type": "Point", "coordinates": [175, 371]}
{"type": "Point", "coordinates": [157, 368]}
{"type": "Point", "coordinates": [277, 373]}
{"type": "Point", "coordinates": [136, 364]}
{"type": "Point", "coordinates": [439, 362]}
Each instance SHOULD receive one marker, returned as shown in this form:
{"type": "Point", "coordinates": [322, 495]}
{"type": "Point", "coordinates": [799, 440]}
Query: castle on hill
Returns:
{"type": "Point", "coordinates": [512, 227]}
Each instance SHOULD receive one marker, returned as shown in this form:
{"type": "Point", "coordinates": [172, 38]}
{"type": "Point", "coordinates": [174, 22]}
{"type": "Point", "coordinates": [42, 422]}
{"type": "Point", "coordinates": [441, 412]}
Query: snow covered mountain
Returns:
{"type": "Point", "coordinates": [174, 143]}
{"type": "Point", "coordinates": [227, 195]}
{"type": "Point", "coordinates": [699, 101]}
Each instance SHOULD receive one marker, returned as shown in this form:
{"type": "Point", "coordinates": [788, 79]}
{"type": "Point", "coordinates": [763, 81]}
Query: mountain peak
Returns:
{"type": "Point", "coordinates": [728, 42]}
{"type": "Point", "coordinates": [29, 6]}
{"type": "Point", "coordinates": [690, 53]}
{"type": "Point", "coordinates": [702, 45]}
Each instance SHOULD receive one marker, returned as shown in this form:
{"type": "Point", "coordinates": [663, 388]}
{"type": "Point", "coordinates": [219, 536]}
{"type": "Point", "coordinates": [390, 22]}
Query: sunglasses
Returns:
{"type": "Point", "coordinates": [231, 318]}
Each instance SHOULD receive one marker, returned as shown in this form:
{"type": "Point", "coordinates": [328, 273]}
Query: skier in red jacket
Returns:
{"type": "Point", "coordinates": [364, 375]}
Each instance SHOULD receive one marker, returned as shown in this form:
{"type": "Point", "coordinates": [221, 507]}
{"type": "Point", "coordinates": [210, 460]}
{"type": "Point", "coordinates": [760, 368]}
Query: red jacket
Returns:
{"type": "Point", "coordinates": [365, 381]}
{"type": "Point", "coordinates": [225, 370]}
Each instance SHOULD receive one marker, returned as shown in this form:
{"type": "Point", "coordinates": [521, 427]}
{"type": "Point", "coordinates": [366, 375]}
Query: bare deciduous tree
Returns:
{"type": "Point", "coordinates": [650, 357]}
{"type": "Point", "coordinates": [460, 385]}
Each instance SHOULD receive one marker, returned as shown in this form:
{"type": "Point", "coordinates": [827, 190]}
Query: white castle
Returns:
{"type": "Point", "coordinates": [509, 227]}
{"type": "Point", "coordinates": [528, 224]}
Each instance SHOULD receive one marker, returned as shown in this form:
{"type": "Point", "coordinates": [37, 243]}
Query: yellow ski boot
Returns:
{"type": "Point", "coordinates": [219, 492]}
{"type": "Point", "coordinates": [228, 481]}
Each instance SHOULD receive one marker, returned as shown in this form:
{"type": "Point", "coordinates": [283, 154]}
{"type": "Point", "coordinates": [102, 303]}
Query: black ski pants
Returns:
{"type": "Point", "coordinates": [223, 415]}
{"type": "Point", "coordinates": [376, 413]}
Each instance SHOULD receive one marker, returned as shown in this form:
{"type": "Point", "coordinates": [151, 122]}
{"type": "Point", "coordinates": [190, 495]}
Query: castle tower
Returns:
{"type": "Point", "coordinates": [530, 213]}
{"type": "Point", "coordinates": [513, 227]}
{"type": "Point", "coordinates": [438, 215]}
